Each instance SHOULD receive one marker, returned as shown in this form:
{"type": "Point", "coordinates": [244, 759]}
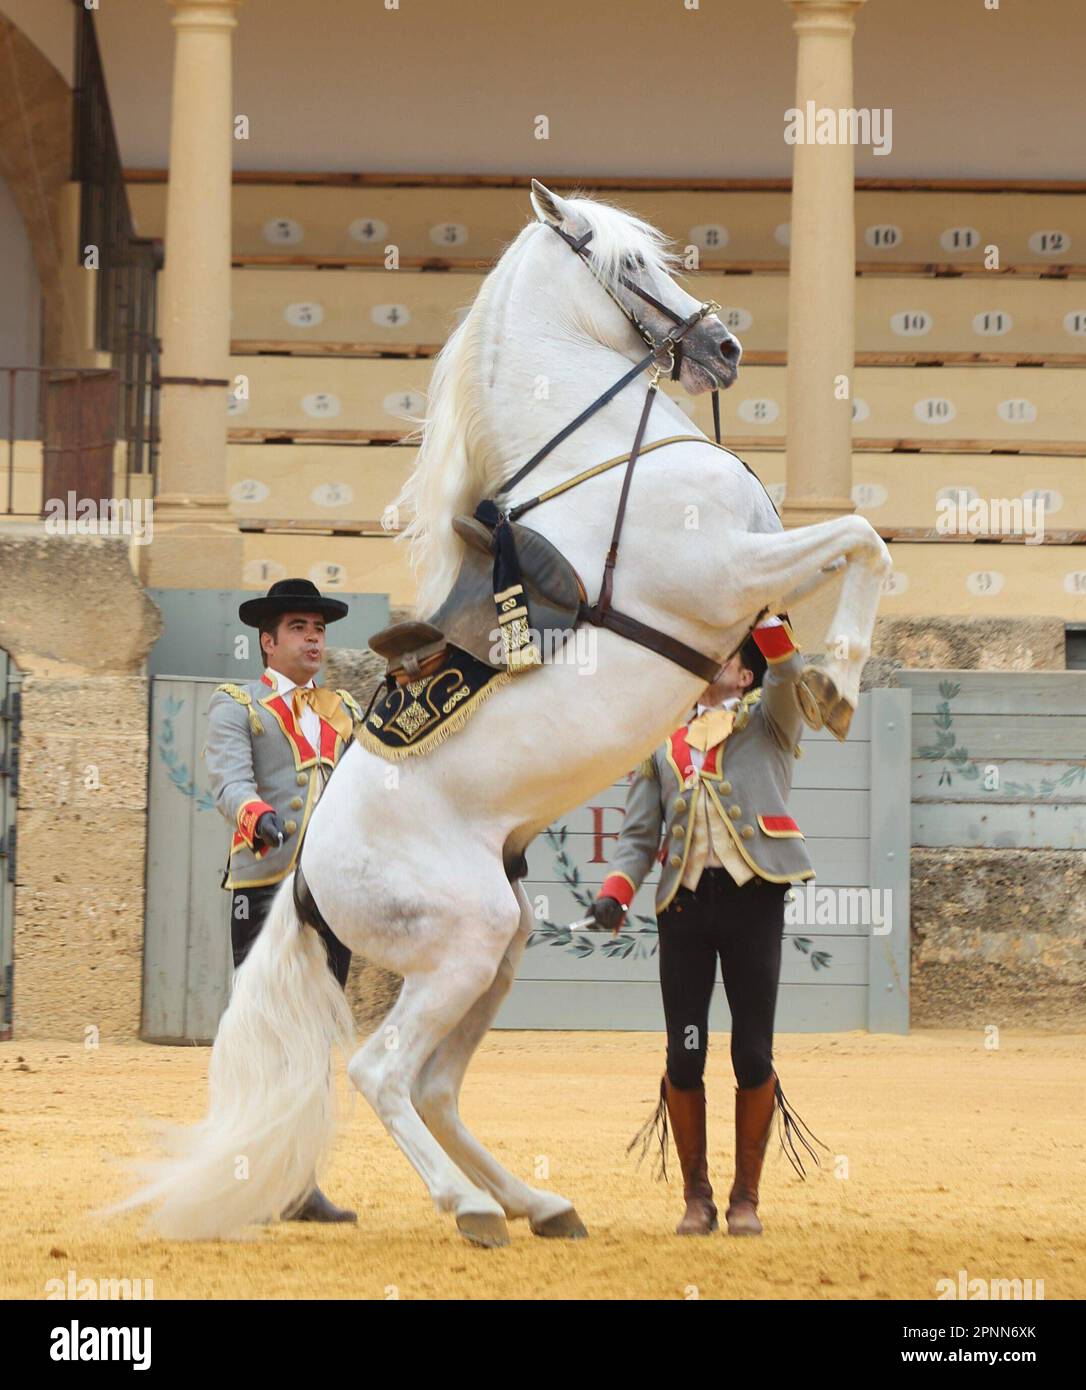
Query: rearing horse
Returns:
{"type": "Point", "coordinates": [411, 870]}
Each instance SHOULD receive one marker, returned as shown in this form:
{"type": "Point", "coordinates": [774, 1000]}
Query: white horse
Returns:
{"type": "Point", "coordinates": [407, 862]}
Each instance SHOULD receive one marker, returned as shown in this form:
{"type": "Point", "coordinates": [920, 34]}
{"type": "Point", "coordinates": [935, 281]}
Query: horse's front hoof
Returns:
{"type": "Point", "coordinates": [816, 695]}
{"type": "Point", "coordinates": [563, 1225]}
{"type": "Point", "coordinates": [821, 703]}
{"type": "Point", "coordinates": [808, 706]}
{"type": "Point", "coordinates": [483, 1228]}
{"type": "Point", "coordinates": [839, 719]}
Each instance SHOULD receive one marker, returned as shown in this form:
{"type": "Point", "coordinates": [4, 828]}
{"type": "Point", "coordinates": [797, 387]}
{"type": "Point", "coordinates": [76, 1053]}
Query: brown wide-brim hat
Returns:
{"type": "Point", "coordinates": [291, 596]}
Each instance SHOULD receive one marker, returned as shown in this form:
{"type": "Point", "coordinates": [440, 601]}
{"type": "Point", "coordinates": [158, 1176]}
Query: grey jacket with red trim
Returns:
{"type": "Point", "coordinates": [258, 760]}
{"type": "Point", "coordinates": [748, 776]}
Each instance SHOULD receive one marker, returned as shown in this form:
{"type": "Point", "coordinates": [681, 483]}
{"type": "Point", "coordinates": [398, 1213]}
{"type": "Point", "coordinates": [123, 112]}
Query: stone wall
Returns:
{"type": "Point", "coordinates": [997, 934]}
{"type": "Point", "coordinates": [71, 604]}
{"type": "Point", "coordinates": [964, 644]}
{"type": "Point", "coordinates": [82, 831]}
{"type": "Point", "coordinates": [997, 938]}
{"type": "Point", "coordinates": [78, 626]}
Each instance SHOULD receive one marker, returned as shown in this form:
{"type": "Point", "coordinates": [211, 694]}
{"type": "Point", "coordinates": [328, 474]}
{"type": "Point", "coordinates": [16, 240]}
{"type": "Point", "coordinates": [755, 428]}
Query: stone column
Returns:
{"type": "Point", "coordinates": [196, 542]}
{"type": "Point", "coordinates": [822, 285]}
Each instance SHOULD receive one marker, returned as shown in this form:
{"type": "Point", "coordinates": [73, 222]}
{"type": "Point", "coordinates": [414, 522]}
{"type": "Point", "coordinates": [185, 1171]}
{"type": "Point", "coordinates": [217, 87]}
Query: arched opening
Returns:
{"type": "Point", "coordinates": [20, 347]}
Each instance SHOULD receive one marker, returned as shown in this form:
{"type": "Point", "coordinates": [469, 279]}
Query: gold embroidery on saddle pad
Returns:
{"type": "Point", "coordinates": [411, 719]}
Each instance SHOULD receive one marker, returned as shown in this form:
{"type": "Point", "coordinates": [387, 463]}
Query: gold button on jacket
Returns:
{"type": "Point", "coordinates": [725, 789]}
{"type": "Point", "coordinates": [302, 778]}
{"type": "Point", "coordinates": [678, 831]}
{"type": "Point", "coordinates": [735, 812]}
{"type": "Point", "coordinates": [747, 832]}
{"type": "Point", "coordinates": [295, 803]}
{"type": "Point", "coordinates": [675, 861]}
{"type": "Point", "coordinates": [291, 826]}
{"type": "Point", "coordinates": [680, 804]}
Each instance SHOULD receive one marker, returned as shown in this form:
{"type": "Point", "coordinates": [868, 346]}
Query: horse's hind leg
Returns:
{"type": "Point", "coordinates": [437, 1099]}
{"type": "Point", "coordinates": [461, 966]}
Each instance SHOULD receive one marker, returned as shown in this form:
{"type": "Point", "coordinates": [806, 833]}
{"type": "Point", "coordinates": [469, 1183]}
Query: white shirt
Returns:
{"type": "Point", "coordinates": [311, 720]}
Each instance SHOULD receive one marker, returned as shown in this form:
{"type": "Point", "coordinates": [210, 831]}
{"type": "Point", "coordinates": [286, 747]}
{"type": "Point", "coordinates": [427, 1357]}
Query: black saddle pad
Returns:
{"type": "Point", "coordinates": [411, 719]}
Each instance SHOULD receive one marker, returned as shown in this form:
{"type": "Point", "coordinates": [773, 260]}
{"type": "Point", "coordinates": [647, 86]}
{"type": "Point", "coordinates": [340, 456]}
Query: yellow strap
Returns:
{"type": "Point", "coordinates": [625, 458]}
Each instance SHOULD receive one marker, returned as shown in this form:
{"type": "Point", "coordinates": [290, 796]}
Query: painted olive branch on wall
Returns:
{"type": "Point", "coordinates": [947, 749]}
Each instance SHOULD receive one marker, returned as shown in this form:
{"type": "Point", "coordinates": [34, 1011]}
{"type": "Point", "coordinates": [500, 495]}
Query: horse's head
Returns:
{"type": "Point", "coordinates": [633, 266]}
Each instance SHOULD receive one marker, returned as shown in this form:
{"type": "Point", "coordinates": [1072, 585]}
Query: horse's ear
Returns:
{"type": "Point", "coordinates": [548, 206]}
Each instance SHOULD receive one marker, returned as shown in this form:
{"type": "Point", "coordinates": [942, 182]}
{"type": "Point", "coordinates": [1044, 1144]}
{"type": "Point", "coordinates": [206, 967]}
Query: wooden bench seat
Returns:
{"type": "Point", "coordinates": [899, 319]}
{"type": "Point", "coordinates": [949, 410]}
{"type": "Point", "coordinates": [907, 231]}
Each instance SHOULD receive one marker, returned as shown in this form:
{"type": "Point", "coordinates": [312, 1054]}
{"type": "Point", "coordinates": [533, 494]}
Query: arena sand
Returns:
{"type": "Point", "coordinates": [958, 1158]}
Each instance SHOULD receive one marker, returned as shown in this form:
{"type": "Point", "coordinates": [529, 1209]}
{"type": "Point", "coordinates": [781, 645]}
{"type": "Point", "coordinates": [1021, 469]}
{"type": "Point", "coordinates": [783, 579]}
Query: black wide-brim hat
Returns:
{"type": "Point", "coordinates": [291, 596]}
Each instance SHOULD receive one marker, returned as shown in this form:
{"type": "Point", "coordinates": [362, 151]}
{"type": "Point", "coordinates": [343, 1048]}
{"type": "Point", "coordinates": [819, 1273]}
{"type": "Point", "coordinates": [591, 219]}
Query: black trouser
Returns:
{"type": "Point", "coordinates": [744, 927]}
{"type": "Point", "coordinates": [249, 909]}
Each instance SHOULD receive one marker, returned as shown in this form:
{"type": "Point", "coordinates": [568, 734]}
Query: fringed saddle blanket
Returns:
{"type": "Point", "coordinates": [408, 720]}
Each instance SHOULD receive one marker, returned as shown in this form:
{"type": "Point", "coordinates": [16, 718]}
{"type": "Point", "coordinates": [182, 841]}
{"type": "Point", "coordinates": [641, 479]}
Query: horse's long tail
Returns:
{"type": "Point", "coordinates": [271, 1113]}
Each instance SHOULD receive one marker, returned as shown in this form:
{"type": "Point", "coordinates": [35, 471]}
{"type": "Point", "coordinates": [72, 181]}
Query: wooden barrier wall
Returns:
{"type": "Point", "coordinates": [998, 759]}
{"type": "Point", "coordinates": [850, 799]}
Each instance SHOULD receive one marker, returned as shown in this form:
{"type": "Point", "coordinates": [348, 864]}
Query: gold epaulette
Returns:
{"type": "Point", "coordinates": [352, 704]}
{"type": "Point", "coordinates": [243, 698]}
{"type": "Point", "coordinates": [648, 767]}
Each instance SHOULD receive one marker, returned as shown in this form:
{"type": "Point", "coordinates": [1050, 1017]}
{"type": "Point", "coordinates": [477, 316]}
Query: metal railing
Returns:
{"type": "Point", "coordinates": [125, 319]}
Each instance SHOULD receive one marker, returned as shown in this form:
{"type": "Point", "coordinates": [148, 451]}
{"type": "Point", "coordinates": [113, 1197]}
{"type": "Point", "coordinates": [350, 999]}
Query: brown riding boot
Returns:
{"type": "Point", "coordinates": [686, 1110]}
{"type": "Point", "coordinates": [753, 1121]}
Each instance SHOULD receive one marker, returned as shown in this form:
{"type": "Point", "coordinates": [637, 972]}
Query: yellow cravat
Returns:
{"type": "Point", "coordinates": [327, 704]}
{"type": "Point", "coordinates": [710, 728]}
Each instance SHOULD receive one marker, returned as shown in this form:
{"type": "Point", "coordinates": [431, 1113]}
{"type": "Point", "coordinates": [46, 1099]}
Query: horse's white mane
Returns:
{"type": "Point", "coordinates": [458, 464]}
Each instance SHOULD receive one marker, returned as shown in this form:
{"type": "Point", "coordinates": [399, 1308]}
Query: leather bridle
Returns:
{"type": "Point", "coordinates": [601, 613]}
{"type": "Point", "coordinates": [672, 344]}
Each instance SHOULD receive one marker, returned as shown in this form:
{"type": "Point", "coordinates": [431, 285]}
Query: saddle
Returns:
{"type": "Point", "coordinates": [466, 619]}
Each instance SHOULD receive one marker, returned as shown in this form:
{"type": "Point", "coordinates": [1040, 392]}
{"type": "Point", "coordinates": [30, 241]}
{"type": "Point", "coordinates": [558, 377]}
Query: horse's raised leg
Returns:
{"type": "Point", "coordinates": [848, 643]}
{"type": "Point", "coordinates": [461, 966]}
{"type": "Point", "coordinates": [437, 1098]}
{"type": "Point", "coordinates": [767, 567]}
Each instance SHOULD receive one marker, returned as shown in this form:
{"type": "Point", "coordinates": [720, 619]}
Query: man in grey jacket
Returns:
{"type": "Point", "coordinates": [271, 746]}
{"type": "Point", "coordinates": [716, 793]}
